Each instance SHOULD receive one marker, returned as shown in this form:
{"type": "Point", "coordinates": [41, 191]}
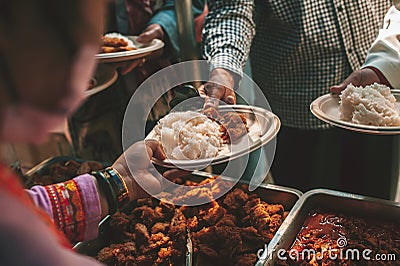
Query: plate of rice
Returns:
{"type": "Point", "coordinates": [373, 109]}
{"type": "Point", "coordinates": [192, 141]}
{"type": "Point", "coordinates": [116, 47]}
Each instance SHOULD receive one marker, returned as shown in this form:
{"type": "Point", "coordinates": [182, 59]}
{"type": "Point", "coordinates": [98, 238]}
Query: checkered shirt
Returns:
{"type": "Point", "coordinates": [301, 48]}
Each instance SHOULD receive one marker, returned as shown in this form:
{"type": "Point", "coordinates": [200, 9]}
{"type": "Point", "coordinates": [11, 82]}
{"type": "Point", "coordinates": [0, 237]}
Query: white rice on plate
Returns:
{"type": "Point", "coordinates": [372, 105]}
{"type": "Point", "coordinates": [188, 135]}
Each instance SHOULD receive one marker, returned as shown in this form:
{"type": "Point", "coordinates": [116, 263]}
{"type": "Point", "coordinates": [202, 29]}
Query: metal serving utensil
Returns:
{"type": "Point", "coordinates": [189, 247]}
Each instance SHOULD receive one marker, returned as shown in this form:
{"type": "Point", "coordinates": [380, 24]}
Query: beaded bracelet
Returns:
{"type": "Point", "coordinates": [108, 191]}
{"type": "Point", "coordinates": [119, 186]}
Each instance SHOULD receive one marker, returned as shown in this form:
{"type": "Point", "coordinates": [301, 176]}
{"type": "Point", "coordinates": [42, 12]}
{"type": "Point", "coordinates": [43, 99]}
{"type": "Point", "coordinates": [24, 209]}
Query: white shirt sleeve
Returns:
{"type": "Point", "coordinates": [384, 53]}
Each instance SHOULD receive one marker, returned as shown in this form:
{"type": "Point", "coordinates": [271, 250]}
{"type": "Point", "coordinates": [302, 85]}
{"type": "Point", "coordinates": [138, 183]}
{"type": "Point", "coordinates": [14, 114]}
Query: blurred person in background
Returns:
{"type": "Point", "coordinates": [148, 20]}
{"type": "Point", "coordinates": [382, 64]}
{"type": "Point", "coordinates": [46, 61]}
{"type": "Point", "coordinates": [300, 49]}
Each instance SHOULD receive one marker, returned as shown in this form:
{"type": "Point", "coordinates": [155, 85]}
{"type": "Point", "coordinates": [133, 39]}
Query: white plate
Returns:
{"type": "Point", "coordinates": [326, 108]}
{"type": "Point", "coordinates": [142, 50]}
{"type": "Point", "coordinates": [263, 126]}
{"type": "Point", "coordinates": [103, 78]}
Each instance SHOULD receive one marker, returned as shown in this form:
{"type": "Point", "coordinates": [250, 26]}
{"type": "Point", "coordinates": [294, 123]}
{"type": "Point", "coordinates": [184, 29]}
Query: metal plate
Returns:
{"type": "Point", "coordinates": [269, 193]}
{"type": "Point", "coordinates": [326, 108]}
{"type": "Point", "coordinates": [346, 203]}
{"type": "Point", "coordinates": [104, 77]}
{"type": "Point", "coordinates": [263, 126]}
{"type": "Point", "coordinates": [142, 50]}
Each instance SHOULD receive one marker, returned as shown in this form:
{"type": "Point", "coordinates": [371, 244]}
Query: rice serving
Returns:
{"type": "Point", "coordinates": [188, 135]}
{"type": "Point", "coordinates": [370, 105]}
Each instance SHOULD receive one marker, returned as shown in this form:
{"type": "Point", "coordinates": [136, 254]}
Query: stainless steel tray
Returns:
{"type": "Point", "coordinates": [342, 202]}
{"type": "Point", "coordinates": [269, 193]}
{"type": "Point", "coordinates": [43, 167]}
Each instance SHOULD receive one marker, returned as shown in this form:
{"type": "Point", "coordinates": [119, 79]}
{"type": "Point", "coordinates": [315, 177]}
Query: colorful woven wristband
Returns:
{"type": "Point", "coordinates": [106, 187]}
{"type": "Point", "coordinates": [119, 185]}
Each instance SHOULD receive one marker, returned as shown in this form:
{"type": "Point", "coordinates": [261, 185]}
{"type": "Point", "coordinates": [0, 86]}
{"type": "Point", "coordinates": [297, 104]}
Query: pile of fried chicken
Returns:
{"type": "Point", "coordinates": [154, 233]}
{"type": "Point", "coordinates": [61, 171]}
{"type": "Point", "coordinates": [226, 231]}
{"type": "Point", "coordinates": [114, 44]}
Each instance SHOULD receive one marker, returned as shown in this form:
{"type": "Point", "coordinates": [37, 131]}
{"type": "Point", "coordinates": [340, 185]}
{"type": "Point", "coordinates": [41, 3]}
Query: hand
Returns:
{"type": "Point", "coordinates": [219, 87]}
{"type": "Point", "coordinates": [138, 157]}
{"type": "Point", "coordinates": [153, 31]}
{"type": "Point", "coordinates": [361, 77]}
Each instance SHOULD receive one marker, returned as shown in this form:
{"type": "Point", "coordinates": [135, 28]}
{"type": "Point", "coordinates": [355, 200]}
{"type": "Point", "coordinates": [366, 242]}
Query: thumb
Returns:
{"type": "Point", "coordinates": [153, 31]}
{"type": "Point", "coordinates": [146, 36]}
{"type": "Point", "coordinates": [154, 149]}
{"type": "Point", "coordinates": [338, 88]}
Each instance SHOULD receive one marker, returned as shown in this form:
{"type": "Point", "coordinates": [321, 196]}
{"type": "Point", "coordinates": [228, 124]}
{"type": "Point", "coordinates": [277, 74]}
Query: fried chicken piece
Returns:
{"type": "Point", "coordinates": [251, 239]}
{"type": "Point", "coordinates": [146, 260]}
{"type": "Point", "coordinates": [205, 235]}
{"type": "Point", "coordinates": [118, 254]}
{"type": "Point", "coordinates": [156, 241]}
{"type": "Point", "coordinates": [266, 218]}
{"type": "Point", "coordinates": [235, 200]}
{"type": "Point", "coordinates": [167, 207]}
{"type": "Point", "coordinates": [63, 171]}
{"type": "Point", "coordinates": [217, 244]}
{"type": "Point", "coordinates": [227, 220]}
{"type": "Point", "coordinates": [142, 234]}
{"type": "Point", "coordinates": [193, 223]}
{"type": "Point", "coordinates": [87, 167]}
{"type": "Point", "coordinates": [231, 240]}
{"type": "Point", "coordinates": [275, 223]}
{"type": "Point", "coordinates": [177, 229]}
{"type": "Point", "coordinates": [115, 44]}
{"type": "Point", "coordinates": [119, 223]}
{"type": "Point", "coordinates": [159, 227]}
{"type": "Point", "coordinates": [201, 193]}
{"type": "Point", "coordinates": [214, 213]}
{"type": "Point", "coordinates": [206, 215]}
{"type": "Point", "coordinates": [207, 251]}
{"type": "Point", "coordinates": [148, 215]}
{"type": "Point", "coordinates": [233, 126]}
{"type": "Point", "coordinates": [211, 113]}
{"type": "Point", "coordinates": [170, 255]}
{"type": "Point", "coordinates": [144, 202]}
{"type": "Point", "coordinates": [252, 201]}
{"type": "Point", "coordinates": [110, 49]}
{"type": "Point", "coordinates": [246, 259]}
{"type": "Point", "coordinates": [164, 254]}
{"type": "Point", "coordinates": [113, 41]}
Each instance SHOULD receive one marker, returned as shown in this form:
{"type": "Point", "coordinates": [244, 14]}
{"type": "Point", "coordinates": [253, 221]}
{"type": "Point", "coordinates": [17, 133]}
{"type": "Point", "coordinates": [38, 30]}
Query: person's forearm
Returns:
{"type": "Point", "coordinates": [384, 53]}
{"type": "Point", "coordinates": [75, 206]}
{"type": "Point", "coordinates": [166, 18]}
{"type": "Point", "coordinates": [228, 32]}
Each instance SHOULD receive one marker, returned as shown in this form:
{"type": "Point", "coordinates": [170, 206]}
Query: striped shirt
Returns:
{"type": "Point", "coordinates": [300, 49]}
